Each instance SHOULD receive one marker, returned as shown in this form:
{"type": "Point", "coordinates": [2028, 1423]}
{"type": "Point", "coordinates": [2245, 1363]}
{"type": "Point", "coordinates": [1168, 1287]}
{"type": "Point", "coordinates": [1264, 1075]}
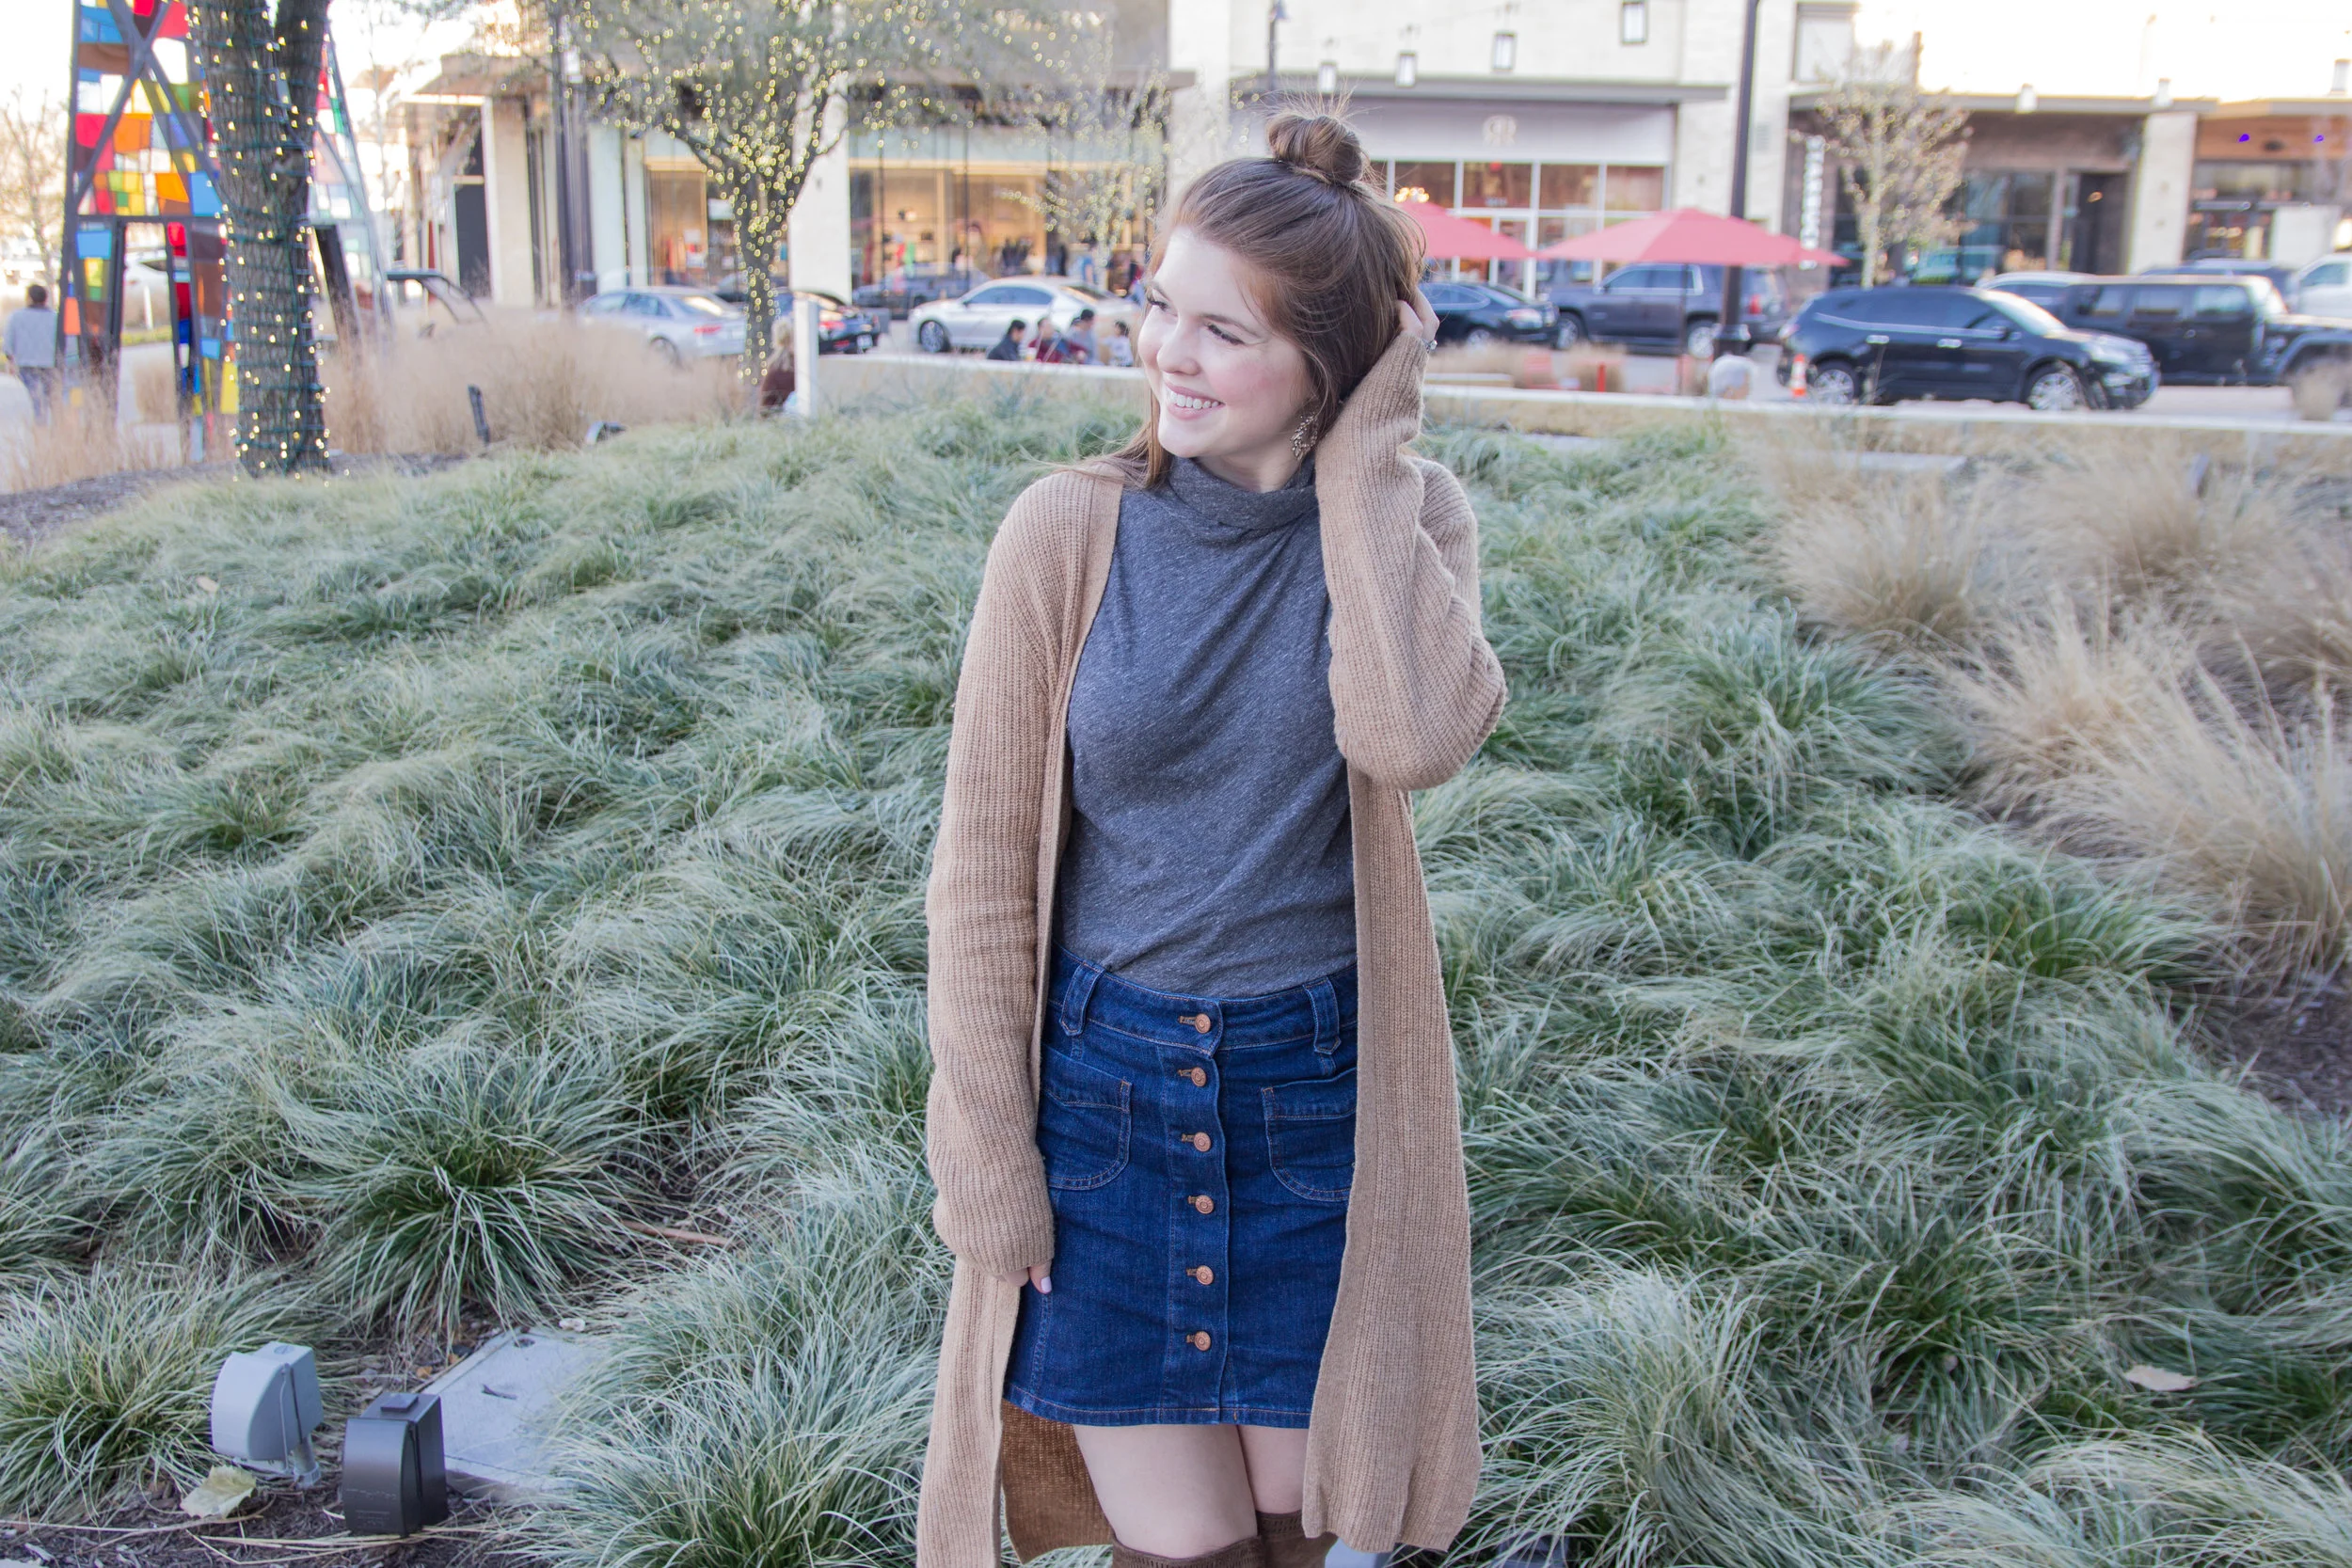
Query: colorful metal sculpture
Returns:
{"type": "Point", "coordinates": [141, 189]}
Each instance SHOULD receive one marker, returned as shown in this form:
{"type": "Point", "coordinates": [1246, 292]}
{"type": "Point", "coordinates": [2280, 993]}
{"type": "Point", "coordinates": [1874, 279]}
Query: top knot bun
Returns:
{"type": "Point", "coordinates": [1320, 145]}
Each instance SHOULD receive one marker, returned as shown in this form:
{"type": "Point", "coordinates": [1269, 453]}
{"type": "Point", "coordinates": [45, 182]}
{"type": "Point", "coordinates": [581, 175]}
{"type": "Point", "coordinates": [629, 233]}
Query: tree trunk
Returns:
{"type": "Point", "coordinates": [758, 226]}
{"type": "Point", "coordinates": [261, 79]}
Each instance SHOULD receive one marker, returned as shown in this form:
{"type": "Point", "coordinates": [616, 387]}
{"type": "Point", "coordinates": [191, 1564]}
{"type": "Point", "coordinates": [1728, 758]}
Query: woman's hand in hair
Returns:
{"type": "Point", "coordinates": [1417, 318]}
{"type": "Point", "coordinates": [1034, 1275]}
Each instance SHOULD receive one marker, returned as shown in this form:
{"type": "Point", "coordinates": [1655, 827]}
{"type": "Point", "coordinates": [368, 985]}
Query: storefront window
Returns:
{"type": "Point", "coordinates": [1551, 230]}
{"type": "Point", "coordinates": [1425, 183]}
{"type": "Point", "coordinates": [2005, 216]}
{"type": "Point", "coordinates": [677, 225]}
{"type": "Point", "coordinates": [1635, 190]}
{"type": "Point", "coordinates": [1571, 186]}
{"type": "Point", "coordinates": [945, 218]}
{"type": "Point", "coordinates": [1498, 186]}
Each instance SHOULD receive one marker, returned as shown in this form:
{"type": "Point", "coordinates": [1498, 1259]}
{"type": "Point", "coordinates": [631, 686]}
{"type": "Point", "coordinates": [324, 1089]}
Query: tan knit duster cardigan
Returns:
{"type": "Point", "coordinates": [1392, 1436]}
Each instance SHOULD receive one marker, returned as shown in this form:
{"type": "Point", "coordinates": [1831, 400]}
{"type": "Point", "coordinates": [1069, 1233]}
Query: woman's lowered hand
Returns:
{"type": "Point", "coordinates": [1034, 1275]}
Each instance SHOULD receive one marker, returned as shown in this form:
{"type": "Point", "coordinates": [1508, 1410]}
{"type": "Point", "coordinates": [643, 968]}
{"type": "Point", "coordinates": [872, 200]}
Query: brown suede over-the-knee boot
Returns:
{"type": "Point", "coordinates": [1248, 1552]}
{"type": "Point", "coordinates": [1288, 1545]}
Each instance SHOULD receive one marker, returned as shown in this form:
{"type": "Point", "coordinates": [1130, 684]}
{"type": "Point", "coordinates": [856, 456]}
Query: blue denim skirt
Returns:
{"type": "Point", "coordinates": [1199, 1151]}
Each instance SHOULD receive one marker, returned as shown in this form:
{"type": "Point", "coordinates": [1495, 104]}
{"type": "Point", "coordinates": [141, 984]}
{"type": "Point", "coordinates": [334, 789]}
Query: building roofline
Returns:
{"type": "Point", "coordinates": [1998, 103]}
{"type": "Point", "coordinates": [1501, 87]}
{"type": "Point", "coordinates": [2334, 106]}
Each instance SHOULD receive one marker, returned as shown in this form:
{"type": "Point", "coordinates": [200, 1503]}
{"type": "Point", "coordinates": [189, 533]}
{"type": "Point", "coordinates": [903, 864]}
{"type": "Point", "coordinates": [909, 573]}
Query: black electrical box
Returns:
{"type": "Point", "coordinates": [393, 1478]}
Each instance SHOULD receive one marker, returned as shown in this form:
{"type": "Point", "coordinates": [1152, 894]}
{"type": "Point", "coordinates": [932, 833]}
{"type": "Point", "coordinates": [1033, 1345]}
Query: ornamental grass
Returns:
{"type": "Point", "coordinates": [416, 889]}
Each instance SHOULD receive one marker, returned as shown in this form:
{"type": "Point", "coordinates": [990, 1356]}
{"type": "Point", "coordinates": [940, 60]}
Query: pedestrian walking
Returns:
{"type": "Point", "coordinates": [1121, 350]}
{"type": "Point", "coordinates": [30, 342]}
{"type": "Point", "coordinates": [1194, 1315]}
{"type": "Point", "coordinates": [1078, 343]}
{"type": "Point", "coordinates": [1009, 346]}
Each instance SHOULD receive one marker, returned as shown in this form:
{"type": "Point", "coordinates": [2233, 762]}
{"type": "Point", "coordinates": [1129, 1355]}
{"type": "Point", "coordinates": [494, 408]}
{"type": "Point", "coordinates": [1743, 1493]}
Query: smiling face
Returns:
{"type": "Point", "coordinates": [1230, 390]}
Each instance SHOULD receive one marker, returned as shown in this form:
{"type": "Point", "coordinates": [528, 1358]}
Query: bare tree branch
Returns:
{"type": "Point", "coordinates": [745, 85]}
{"type": "Point", "coordinates": [1901, 154]}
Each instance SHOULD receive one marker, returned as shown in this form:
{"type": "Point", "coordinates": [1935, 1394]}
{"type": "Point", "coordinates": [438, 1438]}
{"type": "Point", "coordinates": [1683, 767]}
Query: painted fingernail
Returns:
{"type": "Point", "coordinates": [1045, 1284]}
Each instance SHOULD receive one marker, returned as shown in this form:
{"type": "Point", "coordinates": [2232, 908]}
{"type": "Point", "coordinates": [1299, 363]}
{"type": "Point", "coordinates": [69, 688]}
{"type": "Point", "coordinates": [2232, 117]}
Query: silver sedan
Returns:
{"type": "Point", "coordinates": [678, 323]}
{"type": "Point", "coordinates": [981, 317]}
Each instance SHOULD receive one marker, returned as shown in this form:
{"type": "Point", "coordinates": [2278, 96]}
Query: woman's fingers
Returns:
{"type": "Point", "coordinates": [1032, 1275]}
{"type": "Point", "coordinates": [1415, 316]}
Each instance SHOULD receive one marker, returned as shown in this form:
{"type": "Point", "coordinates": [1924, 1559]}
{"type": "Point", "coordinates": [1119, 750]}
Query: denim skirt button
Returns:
{"type": "Point", "coordinates": [1241, 1108]}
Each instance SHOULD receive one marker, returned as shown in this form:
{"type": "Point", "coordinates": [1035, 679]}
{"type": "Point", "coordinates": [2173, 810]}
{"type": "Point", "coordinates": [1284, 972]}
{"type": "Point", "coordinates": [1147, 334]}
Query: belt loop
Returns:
{"type": "Point", "coordinates": [1076, 994]}
{"type": "Point", "coordinates": [1327, 1006]}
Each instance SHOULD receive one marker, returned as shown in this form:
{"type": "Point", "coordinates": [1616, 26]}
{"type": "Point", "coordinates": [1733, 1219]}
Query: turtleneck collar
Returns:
{"type": "Point", "coordinates": [1229, 510]}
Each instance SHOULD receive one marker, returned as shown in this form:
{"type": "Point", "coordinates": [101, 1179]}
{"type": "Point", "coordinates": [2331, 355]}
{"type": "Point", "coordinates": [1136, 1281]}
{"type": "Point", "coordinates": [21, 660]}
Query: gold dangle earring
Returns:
{"type": "Point", "coordinates": [1303, 438]}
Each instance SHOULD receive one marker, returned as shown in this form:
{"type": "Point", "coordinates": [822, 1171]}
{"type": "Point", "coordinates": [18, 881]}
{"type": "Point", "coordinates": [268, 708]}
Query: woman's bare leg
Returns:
{"type": "Point", "coordinates": [1277, 1458]}
{"type": "Point", "coordinates": [1172, 1491]}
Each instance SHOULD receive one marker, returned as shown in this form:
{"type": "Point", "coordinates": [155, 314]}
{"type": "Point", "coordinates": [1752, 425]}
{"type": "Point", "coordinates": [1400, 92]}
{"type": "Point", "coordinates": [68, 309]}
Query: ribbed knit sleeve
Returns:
{"type": "Point", "coordinates": [1415, 689]}
{"type": "Point", "coordinates": [982, 908]}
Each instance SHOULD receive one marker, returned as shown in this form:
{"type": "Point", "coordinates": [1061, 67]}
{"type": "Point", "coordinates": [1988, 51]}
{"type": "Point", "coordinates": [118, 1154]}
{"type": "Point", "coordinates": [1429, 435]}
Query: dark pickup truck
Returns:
{"type": "Point", "coordinates": [1666, 304]}
{"type": "Point", "coordinates": [2205, 331]}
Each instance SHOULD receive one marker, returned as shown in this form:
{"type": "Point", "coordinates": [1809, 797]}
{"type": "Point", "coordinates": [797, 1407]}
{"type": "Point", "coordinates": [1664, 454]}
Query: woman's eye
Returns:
{"type": "Point", "coordinates": [1226, 336]}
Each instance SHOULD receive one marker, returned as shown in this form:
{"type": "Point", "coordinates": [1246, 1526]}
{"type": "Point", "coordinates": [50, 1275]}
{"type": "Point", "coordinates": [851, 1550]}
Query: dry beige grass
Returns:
{"type": "Point", "coordinates": [1889, 557]}
{"type": "Point", "coordinates": [2138, 524]}
{"type": "Point", "coordinates": [2054, 696]}
{"type": "Point", "coordinates": [2144, 651]}
{"type": "Point", "coordinates": [81, 441]}
{"type": "Point", "coordinates": [543, 382]}
{"type": "Point", "coordinates": [2254, 814]}
{"type": "Point", "coordinates": [2290, 616]}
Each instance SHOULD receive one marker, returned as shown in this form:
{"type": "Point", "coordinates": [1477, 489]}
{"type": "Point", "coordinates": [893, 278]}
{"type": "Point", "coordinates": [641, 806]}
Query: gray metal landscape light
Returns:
{"type": "Point", "coordinates": [264, 1403]}
{"type": "Point", "coordinates": [395, 1476]}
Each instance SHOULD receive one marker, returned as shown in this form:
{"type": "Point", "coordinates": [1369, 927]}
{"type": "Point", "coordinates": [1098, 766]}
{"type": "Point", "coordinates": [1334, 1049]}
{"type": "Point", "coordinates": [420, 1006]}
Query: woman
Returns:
{"type": "Point", "coordinates": [1201, 1175]}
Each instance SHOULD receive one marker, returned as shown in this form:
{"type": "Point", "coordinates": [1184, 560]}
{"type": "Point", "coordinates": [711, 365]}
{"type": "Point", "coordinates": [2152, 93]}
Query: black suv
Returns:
{"type": "Point", "coordinates": [2204, 331]}
{"type": "Point", "coordinates": [1882, 345]}
{"type": "Point", "coordinates": [1667, 305]}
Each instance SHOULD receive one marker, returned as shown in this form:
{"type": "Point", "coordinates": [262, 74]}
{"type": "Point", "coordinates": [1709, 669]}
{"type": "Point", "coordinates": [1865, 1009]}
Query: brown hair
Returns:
{"type": "Point", "coordinates": [1334, 257]}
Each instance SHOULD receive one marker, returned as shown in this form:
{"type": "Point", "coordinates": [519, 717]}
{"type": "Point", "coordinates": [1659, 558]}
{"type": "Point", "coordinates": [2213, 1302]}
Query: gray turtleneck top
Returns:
{"type": "Point", "coordinates": [1209, 851]}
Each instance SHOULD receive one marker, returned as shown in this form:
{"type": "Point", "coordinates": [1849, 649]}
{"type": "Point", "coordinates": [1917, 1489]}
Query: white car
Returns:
{"type": "Point", "coordinates": [979, 318]}
{"type": "Point", "coordinates": [678, 323]}
{"type": "Point", "coordinates": [2324, 288]}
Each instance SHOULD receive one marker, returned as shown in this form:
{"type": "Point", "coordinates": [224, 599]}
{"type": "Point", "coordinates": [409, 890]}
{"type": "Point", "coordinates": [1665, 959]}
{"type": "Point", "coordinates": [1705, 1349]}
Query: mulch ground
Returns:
{"type": "Point", "coordinates": [30, 516]}
{"type": "Point", "coordinates": [281, 1524]}
{"type": "Point", "coordinates": [2296, 1047]}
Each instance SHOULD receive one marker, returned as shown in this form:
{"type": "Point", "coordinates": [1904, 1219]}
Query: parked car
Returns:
{"type": "Point", "coordinates": [677, 323]}
{"type": "Point", "coordinates": [2281, 276]}
{"type": "Point", "coordinates": [2323, 288]}
{"type": "Point", "coordinates": [977, 320]}
{"type": "Point", "coordinates": [2206, 330]}
{"type": "Point", "coordinates": [1669, 305]}
{"type": "Point", "coordinates": [2040, 287]}
{"type": "Point", "coordinates": [841, 326]}
{"type": "Point", "coordinates": [1884, 345]}
{"type": "Point", "coordinates": [902, 289]}
{"type": "Point", "coordinates": [1474, 314]}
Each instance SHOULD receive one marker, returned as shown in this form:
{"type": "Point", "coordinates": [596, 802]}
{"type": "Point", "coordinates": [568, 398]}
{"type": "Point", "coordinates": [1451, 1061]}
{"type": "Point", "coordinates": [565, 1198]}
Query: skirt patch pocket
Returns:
{"type": "Point", "coordinates": [1082, 1123]}
{"type": "Point", "coordinates": [1310, 1135]}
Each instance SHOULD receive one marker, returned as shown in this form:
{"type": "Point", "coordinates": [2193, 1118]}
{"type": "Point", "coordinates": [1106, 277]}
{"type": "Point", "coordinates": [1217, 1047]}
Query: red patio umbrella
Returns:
{"type": "Point", "coordinates": [1456, 239]}
{"type": "Point", "coordinates": [1687, 234]}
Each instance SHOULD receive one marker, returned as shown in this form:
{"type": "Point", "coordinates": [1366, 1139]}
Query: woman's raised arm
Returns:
{"type": "Point", "coordinates": [1415, 688]}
